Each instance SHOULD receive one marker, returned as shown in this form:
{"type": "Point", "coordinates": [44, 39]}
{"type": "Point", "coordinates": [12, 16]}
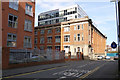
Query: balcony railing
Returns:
{"type": "Point", "coordinates": [27, 45]}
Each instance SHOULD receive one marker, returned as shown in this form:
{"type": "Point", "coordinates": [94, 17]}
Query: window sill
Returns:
{"type": "Point", "coordinates": [28, 31]}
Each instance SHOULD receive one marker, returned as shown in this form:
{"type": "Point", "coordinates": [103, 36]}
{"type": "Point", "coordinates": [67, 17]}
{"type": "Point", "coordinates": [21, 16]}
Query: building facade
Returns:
{"type": "Point", "coordinates": [18, 25]}
{"type": "Point", "coordinates": [60, 15]}
{"type": "Point", "coordinates": [77, 35]}
{"type": "Point", "coordinates": [48, 37]}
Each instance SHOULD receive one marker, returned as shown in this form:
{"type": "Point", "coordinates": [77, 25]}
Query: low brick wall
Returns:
{"type": "Point", "coordinates": [10, 66]}
{"type": "Point", "coordinates": [6, 65]}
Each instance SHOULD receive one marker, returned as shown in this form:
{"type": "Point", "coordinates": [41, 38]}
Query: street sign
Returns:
{"type": "Point", "coordinates": [113, 45]}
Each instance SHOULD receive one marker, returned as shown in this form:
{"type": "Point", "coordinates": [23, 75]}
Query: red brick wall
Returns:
{"type": "Point", "coordinates": [21, 21]}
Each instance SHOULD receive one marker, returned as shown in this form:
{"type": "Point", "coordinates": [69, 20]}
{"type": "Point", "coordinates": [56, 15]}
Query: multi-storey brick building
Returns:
{"type": "Point", "coordinates": [48, 37]}
{"type": "Point", "coordinates": [77, 35]}
{"type": "Point", "coordinates": [18, 25]}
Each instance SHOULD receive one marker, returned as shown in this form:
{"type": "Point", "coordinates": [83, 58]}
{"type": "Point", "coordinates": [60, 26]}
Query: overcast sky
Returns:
{"type": "Point", "coordinates": [102, 12]}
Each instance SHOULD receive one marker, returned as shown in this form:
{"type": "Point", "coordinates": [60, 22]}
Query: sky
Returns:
{"type": "Point", "coordinates": [102, 13]}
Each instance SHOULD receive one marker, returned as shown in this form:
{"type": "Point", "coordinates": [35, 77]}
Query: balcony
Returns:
{"type": "Point", "coordinates": [30, 13]}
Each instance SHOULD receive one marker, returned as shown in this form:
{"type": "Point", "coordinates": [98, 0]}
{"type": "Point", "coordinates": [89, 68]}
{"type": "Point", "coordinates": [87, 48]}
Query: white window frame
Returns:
{"type": "Point", "coordinates": [78, 37]}
{"type": "Point", "coordinates": [42, 40]}
{"type": "Point", "coordinates": [74, 37]}
{"type": "Point", "coordinates": [28, 25]}
{"type": "Point", "coordinates": [74, 27]}
{"type": "Point", "coordinates": [28, 44]}
{"type": "Point", "coordinates": [12, 39]}
{"type": "Point", "coordinates": [66, 37]}
{"type": "Point", "coordinates": [82, 27]}
{"type": "Point", "coordinates": [66, 29]}
{"type": "Point", "coordinates": [12, 21]}
{"type": "Point", "coordinates": [29, 9]}
{"type": "Point", "coordinates": [78, 27]}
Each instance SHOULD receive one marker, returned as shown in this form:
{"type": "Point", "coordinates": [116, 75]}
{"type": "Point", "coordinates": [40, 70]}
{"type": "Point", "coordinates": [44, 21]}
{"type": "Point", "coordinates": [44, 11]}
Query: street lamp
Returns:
{"type": "Point", "coordinates": [117, 5]}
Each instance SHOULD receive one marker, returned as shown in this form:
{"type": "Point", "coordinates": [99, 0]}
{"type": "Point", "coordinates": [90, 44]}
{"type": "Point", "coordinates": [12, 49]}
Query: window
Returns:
{"type": "Point", "coordinates": [57, 48]}
{"type": "Point", "coordinates": [75, 27]}
{"type": "Point", "coordinates": [82, 50]}
{"type": "Point", "coordinates": [82, 27]}
{"type": "Point", "coordinates": [78, 27]}
{"type": "Point", "coordinates": [49, 48]}
{"type": "Point", "coordinates": [74, 50]}
{"type": "Point", "coordinates": [66, 38]}
{"type": "Point", "coordinates": [57, 39]}
{"type": "Point", "coordinates": [74, 37]}
{"type": "Point", "coordinates": [89, 32]}
{"type": "Point", "coordinates": [66, 29]}
{"type": "Point", "coordinates": [78, 37]}
{"type": "Point", "coordinates": [67, 49]}
{"type": "Point", "coordinates": [49, 31]}
{"type": "Point", "coordinates": [27, 42]}
{"type": "Point", "coordinates": [29, 10]}
{"type": "Point", "coordinates": [42, 32]}
{"type": "Point", "coordinates": [78, 49]}
{"type": "Point", "coordinates": [57, 20]}
{"type": "Point", "coordinates": [35, 41]}
{"type": "Point", "coordinates": [82, 37]}
{"type": "Point", "coordinates": [11, 40]}
{"type": "Point", "coordinates": [57, 30]}
{"type": "Point", "coordinates": [42, 40]}
{"type": "Point", "coordinates": [42, 47]}
{"type": "Point", "coordinates": [35, 47]}
{"type": "Point", "coordinates": [12, 21]}
{"type": "Point", "coordinates": [35, 32]}
{"type": "Point", "coordinates": [13, 4]}
{"type": "Point", "coordinates": [28, 25]}
{"type": "Point", "coordinates": [75, 16]}
{"type": "Point", "coordinates": [49, 39]}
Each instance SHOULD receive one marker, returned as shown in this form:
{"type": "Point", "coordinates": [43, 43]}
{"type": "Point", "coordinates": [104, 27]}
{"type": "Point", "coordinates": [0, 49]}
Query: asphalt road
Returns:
{"type": "Point", "coordinates": [74, 70]}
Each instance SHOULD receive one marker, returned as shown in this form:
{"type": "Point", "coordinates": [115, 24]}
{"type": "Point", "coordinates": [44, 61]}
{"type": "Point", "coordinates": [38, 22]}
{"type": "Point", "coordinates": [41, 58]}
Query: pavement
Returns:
{"type": "Point", "coordinates": [74, 70]}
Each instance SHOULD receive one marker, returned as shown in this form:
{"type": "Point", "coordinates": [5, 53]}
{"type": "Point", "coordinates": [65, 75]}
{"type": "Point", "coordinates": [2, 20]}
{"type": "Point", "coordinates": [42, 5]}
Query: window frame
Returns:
{"type": "Point", "coordinates": [66, 37]}
{"type": "Point", "coordinates": [12, 21]}
{"type": "Point", "coordinates": [12, 39]}
{"type": "Point", "coordinates": [29, 25]}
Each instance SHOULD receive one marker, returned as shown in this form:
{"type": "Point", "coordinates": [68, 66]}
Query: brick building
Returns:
{"type": "Point", "coordinates": [77, 35]}
{"type": "Point", "coordinates": [18, 25]}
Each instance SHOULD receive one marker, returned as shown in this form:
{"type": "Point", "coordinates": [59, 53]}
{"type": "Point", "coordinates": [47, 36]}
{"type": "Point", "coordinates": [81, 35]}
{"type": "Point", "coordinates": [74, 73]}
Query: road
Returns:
{"type": "Point", "coordinates": [74, 70]}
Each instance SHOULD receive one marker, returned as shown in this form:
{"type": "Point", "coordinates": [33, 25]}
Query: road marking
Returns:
{"type": "Point", "coordinates": [92, 71]}
{"type": "Point", "coordinates": [33, 72]}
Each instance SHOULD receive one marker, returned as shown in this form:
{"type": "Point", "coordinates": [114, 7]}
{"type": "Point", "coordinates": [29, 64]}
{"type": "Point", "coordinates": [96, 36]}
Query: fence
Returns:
{"type": "Point", "coordinates": [36, 55]}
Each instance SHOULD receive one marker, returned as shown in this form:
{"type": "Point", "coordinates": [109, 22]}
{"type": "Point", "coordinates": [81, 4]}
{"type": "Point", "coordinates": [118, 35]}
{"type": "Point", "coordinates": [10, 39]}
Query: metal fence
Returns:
{"type": "Point", "coordinates": [36, 55]}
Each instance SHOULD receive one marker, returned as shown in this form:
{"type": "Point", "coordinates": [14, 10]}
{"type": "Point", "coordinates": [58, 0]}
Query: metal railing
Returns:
{"type": "Point", "coordinates": [36, 55]}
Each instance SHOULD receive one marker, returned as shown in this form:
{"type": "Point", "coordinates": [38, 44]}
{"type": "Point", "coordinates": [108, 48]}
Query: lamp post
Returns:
{"type": "Point", "coordinates": [117, 5]}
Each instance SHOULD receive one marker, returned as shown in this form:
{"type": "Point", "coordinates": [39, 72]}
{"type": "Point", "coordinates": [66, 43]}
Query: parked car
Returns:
{"type": "Point", "coordinates": [116, 58]}
{"type": "Point", "coordinates": [107, 57]}
{"type": "Point", "coordinates": [99, 57]}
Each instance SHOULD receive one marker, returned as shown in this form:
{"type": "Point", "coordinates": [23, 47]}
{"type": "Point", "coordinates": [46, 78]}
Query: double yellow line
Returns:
{"type": "Point", "coordinates": [92, 71]}
{"type": "Point", "coordinates": [33, 72]}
